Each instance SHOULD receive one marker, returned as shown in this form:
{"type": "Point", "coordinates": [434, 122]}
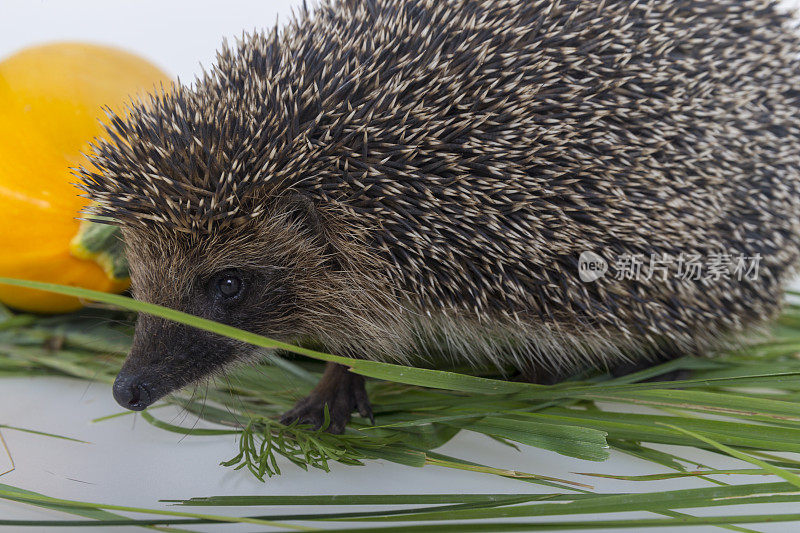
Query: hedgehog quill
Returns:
{"type": "Point", "coordinates": [405, 180]}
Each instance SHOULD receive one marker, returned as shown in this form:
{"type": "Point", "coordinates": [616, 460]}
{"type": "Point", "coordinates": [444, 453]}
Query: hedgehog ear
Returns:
{"type": "Point", "coordinates": [303, 210]}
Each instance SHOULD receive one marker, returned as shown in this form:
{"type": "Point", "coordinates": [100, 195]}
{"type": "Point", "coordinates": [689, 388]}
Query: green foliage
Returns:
{"type": "Point", "coordinates": [741, 404]}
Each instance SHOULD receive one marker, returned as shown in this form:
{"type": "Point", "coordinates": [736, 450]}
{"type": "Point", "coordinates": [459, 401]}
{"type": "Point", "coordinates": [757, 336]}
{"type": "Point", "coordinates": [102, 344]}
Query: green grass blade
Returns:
{"type": "Point", "coordinates": [791, 477]}
{"type": "Point", "coordinates": [39, 500]}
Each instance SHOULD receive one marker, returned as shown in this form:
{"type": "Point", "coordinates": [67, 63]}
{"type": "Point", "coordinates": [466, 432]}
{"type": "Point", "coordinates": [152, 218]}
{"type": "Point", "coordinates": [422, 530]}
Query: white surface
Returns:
{"type": "Point", "coordinates": [128, 462]}
{"type": "Point", "coordinates": [177, 35]}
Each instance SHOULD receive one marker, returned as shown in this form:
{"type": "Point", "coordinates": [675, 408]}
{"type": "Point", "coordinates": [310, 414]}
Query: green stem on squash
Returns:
{"type": "Point", "coordinates": [101, 243]}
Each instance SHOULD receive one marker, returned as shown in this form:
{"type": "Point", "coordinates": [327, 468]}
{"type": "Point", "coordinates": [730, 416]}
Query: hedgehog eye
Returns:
{"type": "Point", "coordinates": [229, 285]}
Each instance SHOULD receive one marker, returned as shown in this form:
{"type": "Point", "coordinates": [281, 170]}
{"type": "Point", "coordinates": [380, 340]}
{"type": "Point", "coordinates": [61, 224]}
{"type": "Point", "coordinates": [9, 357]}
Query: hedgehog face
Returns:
{"type": "Point", "coordinates": [248, 281]}
{"type": "Point", "coordinates": [166, 356]}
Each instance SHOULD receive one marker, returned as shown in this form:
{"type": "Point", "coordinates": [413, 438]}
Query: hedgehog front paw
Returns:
{"type": "Point", "coordinates": [343, 393]}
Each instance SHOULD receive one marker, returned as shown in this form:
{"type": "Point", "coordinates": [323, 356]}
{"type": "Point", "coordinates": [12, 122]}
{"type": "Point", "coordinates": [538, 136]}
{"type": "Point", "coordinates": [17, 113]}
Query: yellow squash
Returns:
{"type": "Point", "coordinates": [51, 100]}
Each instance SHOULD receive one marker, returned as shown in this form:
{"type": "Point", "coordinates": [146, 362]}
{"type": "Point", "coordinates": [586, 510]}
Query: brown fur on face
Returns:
{"type": "Point", "coordinates": [302, 281]}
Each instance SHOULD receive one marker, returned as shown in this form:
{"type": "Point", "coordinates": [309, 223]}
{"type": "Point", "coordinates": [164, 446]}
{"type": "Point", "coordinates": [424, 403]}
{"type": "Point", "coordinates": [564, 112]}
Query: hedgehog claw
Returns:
{"type": "Point", "coordinates": [362, 402]}
{"type": "Point", "coordinates": [341, 391]}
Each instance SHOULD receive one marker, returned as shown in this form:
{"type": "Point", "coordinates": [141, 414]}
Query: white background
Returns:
{"type": "Point", "coordinates": [128, 462]}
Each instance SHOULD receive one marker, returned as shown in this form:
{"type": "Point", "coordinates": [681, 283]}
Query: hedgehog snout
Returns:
{"type": "Point", "coordinates": [165, 357]}
{"type": "Point", "coordinates": [133, 392]}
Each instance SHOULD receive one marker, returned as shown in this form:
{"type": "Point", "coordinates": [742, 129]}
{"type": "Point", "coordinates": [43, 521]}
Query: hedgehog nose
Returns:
{"type": "Point", "coordinates": [131, 393]}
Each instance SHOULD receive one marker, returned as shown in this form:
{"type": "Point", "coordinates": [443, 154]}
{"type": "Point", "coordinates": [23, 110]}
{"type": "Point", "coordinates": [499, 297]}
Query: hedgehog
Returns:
{"type": "Point", "coordinates": [414, 181]}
